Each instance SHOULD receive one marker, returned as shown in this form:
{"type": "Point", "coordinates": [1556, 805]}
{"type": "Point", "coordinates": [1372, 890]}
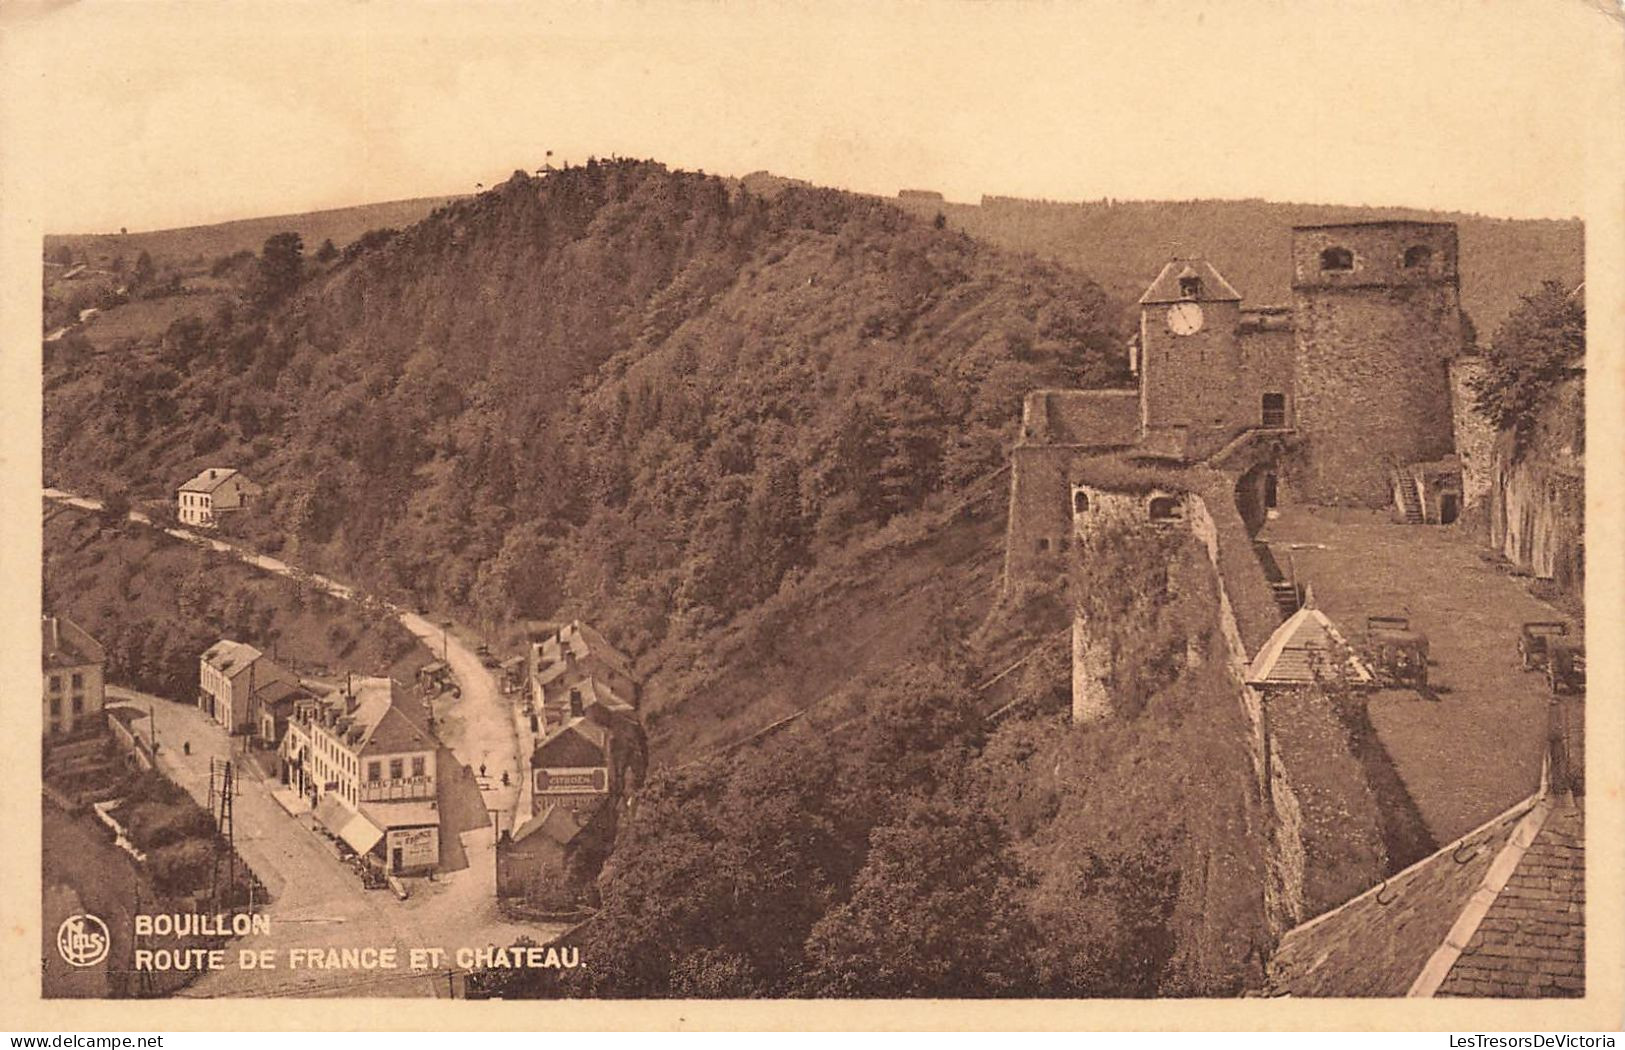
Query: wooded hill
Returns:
{"type": "Point", "coordinates": [1124, 244]}
{"type": "Point", "coordinates": [617, 391]}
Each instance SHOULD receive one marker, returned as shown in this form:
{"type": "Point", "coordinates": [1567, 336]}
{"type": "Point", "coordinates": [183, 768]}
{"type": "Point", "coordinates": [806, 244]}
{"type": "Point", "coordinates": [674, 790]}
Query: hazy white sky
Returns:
{"type": "Point", "coordinates": [145, 114]}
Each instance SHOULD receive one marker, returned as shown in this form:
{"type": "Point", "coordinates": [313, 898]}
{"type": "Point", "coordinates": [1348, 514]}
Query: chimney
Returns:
{"type": "Point", "coordinates": [56, 633]}
{"type": "Point", "coordinates": [576, 709]}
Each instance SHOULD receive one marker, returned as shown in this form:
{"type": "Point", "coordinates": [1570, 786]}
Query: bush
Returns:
{"type": "Point", "coordinates": [154, 825]}
{"type": "Point", "coordinates": [181, 868]}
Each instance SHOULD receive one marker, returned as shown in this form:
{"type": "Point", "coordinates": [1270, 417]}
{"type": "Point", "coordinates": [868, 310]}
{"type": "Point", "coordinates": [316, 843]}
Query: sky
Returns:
{"type": "Point", "coordinates": [148, 115]}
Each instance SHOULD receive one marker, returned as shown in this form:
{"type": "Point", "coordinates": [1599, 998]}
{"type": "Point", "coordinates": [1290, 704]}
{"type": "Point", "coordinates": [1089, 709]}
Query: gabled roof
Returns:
{"type": "Point", "coordinates": [557, 823]}
{"type": "Point", "coordinates": [593, 692]}
{"type": "Point", "coordinates": [1498, 913]}
{"type": "Point", "coordinates": [209, 479]}
{"type": "Point", "coordinates": [1165, 289]}
{"type": "Point", "coordinates": [576, 744]}
{"type": "Point", "coordinates": [387, 725]}
{"type": "Point", "coordinates": [1306, 642]}
{"type": "Point", "coordinates": [279, 694]}
{"type": "Point", "coordinates": [231, 658]}
{"type": "Point", "coordinates": [1379, 942]}
{"type": "Point", "coordinates": [65, 644]}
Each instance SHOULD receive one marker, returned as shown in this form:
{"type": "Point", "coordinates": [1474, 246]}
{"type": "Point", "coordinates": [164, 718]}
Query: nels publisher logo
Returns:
{"type": "Point", "coordinates": [82, 940]}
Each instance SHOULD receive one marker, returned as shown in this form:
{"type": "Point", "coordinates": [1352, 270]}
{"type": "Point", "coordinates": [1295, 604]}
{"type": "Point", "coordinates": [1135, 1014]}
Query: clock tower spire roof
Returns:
{"type": "Point", "coordinates": [1190, 279]}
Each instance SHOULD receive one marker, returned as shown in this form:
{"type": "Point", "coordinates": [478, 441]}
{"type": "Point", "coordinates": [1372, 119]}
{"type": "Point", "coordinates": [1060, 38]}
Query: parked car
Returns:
{"type": "Point", "coordinates": [1535, 638]}
{"type": "Point", "coordinates": [1566, 665]}
{"type": "Point", "coordinates": [1399, 655]}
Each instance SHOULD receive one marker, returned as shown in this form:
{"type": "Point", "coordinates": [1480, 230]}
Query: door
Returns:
{"type": "Point", "coordinates": [1270, 493]}
{"type": "Point", "coordinates": [395, 859]}
{"type": "Point", "coordinates": [1447, 508]}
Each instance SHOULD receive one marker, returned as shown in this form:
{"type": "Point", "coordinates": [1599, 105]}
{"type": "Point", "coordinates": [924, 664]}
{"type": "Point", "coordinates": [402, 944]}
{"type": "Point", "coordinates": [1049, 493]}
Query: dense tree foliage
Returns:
{"type": "Point", "coordinates": [1539, 345]}
{"type": "Point", "coordinates": [646, 396]}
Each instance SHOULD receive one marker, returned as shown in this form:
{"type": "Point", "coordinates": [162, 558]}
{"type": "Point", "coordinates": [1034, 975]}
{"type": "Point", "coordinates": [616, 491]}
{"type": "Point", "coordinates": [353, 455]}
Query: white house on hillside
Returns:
{"type": "Point", "coordinates": [214, 491]}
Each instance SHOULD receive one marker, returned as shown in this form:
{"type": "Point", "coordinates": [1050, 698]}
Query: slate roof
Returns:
{"type": "Point", "coordinates": [1531, 942]}
{"type": "Point", "coordinates": [209, 479]}
{"type": "Point", "coordinates": [1165, 289]}
{"type": "Point", "coordinates": [584, 643]}
{"type": "Point", "coordinates": [1304, 642]}
{"type": "Point", "coordinates": [64, 644]}
{"type": "Point", "coordinates": [576, 744]}
{"type": "Point", "coordinates": [1377, 944]}
{"type": "Point", "coordinates": [231, 658]}
{"type": "Point", "coordinates": [1498, 914]}
{"type": "Point", "coordinates": [387, 726]}
{"type": "Point", "coordinates": [556, 823]}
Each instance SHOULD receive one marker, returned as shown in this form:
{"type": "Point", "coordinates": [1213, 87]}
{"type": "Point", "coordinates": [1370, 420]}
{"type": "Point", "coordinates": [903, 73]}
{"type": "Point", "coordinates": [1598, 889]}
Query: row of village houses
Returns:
{"type": "Point", "coordinates": [363, 759]}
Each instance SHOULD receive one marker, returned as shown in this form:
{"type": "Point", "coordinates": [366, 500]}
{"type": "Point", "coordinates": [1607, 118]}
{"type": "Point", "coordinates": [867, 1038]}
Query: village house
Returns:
{"type": "Point", "coordinates": [273, 706]}
{"type": "Point", "coordinates": [535, 867]}
{"type": "Point", "coordinates": [571, 766]}
{"type": "Point", "coordinates": [230, 673]}
{"type": "Point", "coordinates": [367, 765]}
{"type": "Point", "coordinates": [214, 491]}
{"type": "Point", "coordinates": [564, 656]}
{"type": "Point", "coordinates": [74, 683]}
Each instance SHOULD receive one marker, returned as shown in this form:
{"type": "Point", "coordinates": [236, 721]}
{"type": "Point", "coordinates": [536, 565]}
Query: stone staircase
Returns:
{"type": "Point", "coordinates": [1287, 597]}
{"type": "Point", "coordinates": [1409, 504]}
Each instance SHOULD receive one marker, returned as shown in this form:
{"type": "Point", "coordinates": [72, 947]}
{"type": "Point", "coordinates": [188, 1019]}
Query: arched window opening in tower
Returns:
{"type": "Point", "coordinates": [1418, 256]}
{"type": "Point", "coordinates": [1336, 259]}
{"type": "Point", "coordinates": [1080, 502]}
{"type": "Point", "coordinates": [1163, 509]}
{"type": "Point", "coordinates": [1190, 287]}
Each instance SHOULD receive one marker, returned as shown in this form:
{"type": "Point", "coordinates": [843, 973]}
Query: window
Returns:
{"type": "Point", "coordinates": [1080, 502]}
{"type": "Point", "coordinates": [1190, 287]}
{"type": "Point", "coordinates": [1163, 508]}
{"type": "Point", "coordinates": [78, 705]}
{"type": "Point", "coordinates": [56, 683]}
{"type": "Point", "coordinates": [1419, 256]}
{"type": "Point", "coordinates": [1043, 545]}
{"type": "Point", "coordinates": [395, 769]}
{"type": "Point", "coordinates": [1274, 411]}
{"type": "Point", "coordinates": [1335, 259]}
{"type": "Point", "coordinates": [417, 767]}
{"type": "Point", "coordinates": [78, 680]}
{"type": "Point", "coordinates": [56, 707]}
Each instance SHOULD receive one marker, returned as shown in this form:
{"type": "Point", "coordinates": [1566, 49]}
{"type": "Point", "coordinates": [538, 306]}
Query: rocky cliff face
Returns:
{"type": "Point", "coordinates": [1537, 500]}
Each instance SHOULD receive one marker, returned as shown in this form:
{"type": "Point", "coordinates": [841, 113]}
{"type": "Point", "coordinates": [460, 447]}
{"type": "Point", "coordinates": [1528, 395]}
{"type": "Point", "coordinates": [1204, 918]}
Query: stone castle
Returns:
{"type": "Point", "coordinates": [1355, 394]}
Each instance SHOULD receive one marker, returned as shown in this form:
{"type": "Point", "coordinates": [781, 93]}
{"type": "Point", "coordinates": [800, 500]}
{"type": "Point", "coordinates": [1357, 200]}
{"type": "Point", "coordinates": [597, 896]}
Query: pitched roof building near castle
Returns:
{"type": "Point", "coordinates": [1301, 650]}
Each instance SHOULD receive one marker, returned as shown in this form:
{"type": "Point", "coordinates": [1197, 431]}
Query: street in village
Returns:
{"type": "Point", "coordinates": [316, 900]}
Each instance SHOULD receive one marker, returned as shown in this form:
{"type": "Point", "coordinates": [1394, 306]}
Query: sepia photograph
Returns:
{"type": "Point", "coordinates": [978, 503]}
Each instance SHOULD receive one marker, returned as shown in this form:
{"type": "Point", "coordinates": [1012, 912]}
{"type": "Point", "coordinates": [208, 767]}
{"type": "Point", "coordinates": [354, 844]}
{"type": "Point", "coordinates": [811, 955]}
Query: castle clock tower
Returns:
{"type": "Point", "coordinates": [1189, 359]}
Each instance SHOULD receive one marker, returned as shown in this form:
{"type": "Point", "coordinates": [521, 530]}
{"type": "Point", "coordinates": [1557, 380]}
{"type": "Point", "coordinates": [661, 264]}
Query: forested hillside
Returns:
{"type": "Point", "coordinates": [1123, 244]}
{"type": "Point", "coordinates": [644, 396]}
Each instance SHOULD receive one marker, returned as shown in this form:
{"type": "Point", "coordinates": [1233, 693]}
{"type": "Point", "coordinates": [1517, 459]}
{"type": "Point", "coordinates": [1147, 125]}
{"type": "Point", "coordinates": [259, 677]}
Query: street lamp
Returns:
{"type": "Point", "coordinates": [445, 643]}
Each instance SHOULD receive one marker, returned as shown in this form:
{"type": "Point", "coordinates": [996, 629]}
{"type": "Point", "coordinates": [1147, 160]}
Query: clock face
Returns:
{"type": "Point", "coordinates": [1184, 318]}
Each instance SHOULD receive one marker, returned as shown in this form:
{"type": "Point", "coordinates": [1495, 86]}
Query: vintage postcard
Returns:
{"type": "Point", "coordinates": [915, 515]}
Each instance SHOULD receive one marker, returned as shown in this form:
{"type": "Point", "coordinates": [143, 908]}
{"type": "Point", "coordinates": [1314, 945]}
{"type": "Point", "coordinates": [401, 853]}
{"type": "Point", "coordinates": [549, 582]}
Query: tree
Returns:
{"type": "Point", "coordinates": [144, 268]}
{"type": "Point", "coordinates": [933, 913]}
{"type": "Point", "coordinates": [280, 269]}
{"type": "Point", "coordinates": [327, 252]}
{"type": "Point", "coordinates": [1538, 345]}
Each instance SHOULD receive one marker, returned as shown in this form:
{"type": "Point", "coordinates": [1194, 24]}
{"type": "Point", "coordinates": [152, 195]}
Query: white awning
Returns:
{"type": "Point", "coordinates": [359, 833]}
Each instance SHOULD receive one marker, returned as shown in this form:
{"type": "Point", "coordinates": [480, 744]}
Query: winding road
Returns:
{"type": "Point", "coordinates": [317, 902]}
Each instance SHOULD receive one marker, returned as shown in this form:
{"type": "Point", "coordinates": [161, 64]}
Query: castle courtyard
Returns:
{"type": "Point", "coordinates": [1473, 747]}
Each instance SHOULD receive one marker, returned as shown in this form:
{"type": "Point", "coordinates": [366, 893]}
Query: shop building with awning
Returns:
{"type": "Point", "coordinates": [367, 763]}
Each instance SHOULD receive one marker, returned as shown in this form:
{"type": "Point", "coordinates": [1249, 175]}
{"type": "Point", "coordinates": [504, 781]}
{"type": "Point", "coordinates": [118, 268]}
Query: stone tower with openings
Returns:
{"type": "Point", "coordinates": [1376, 321]}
